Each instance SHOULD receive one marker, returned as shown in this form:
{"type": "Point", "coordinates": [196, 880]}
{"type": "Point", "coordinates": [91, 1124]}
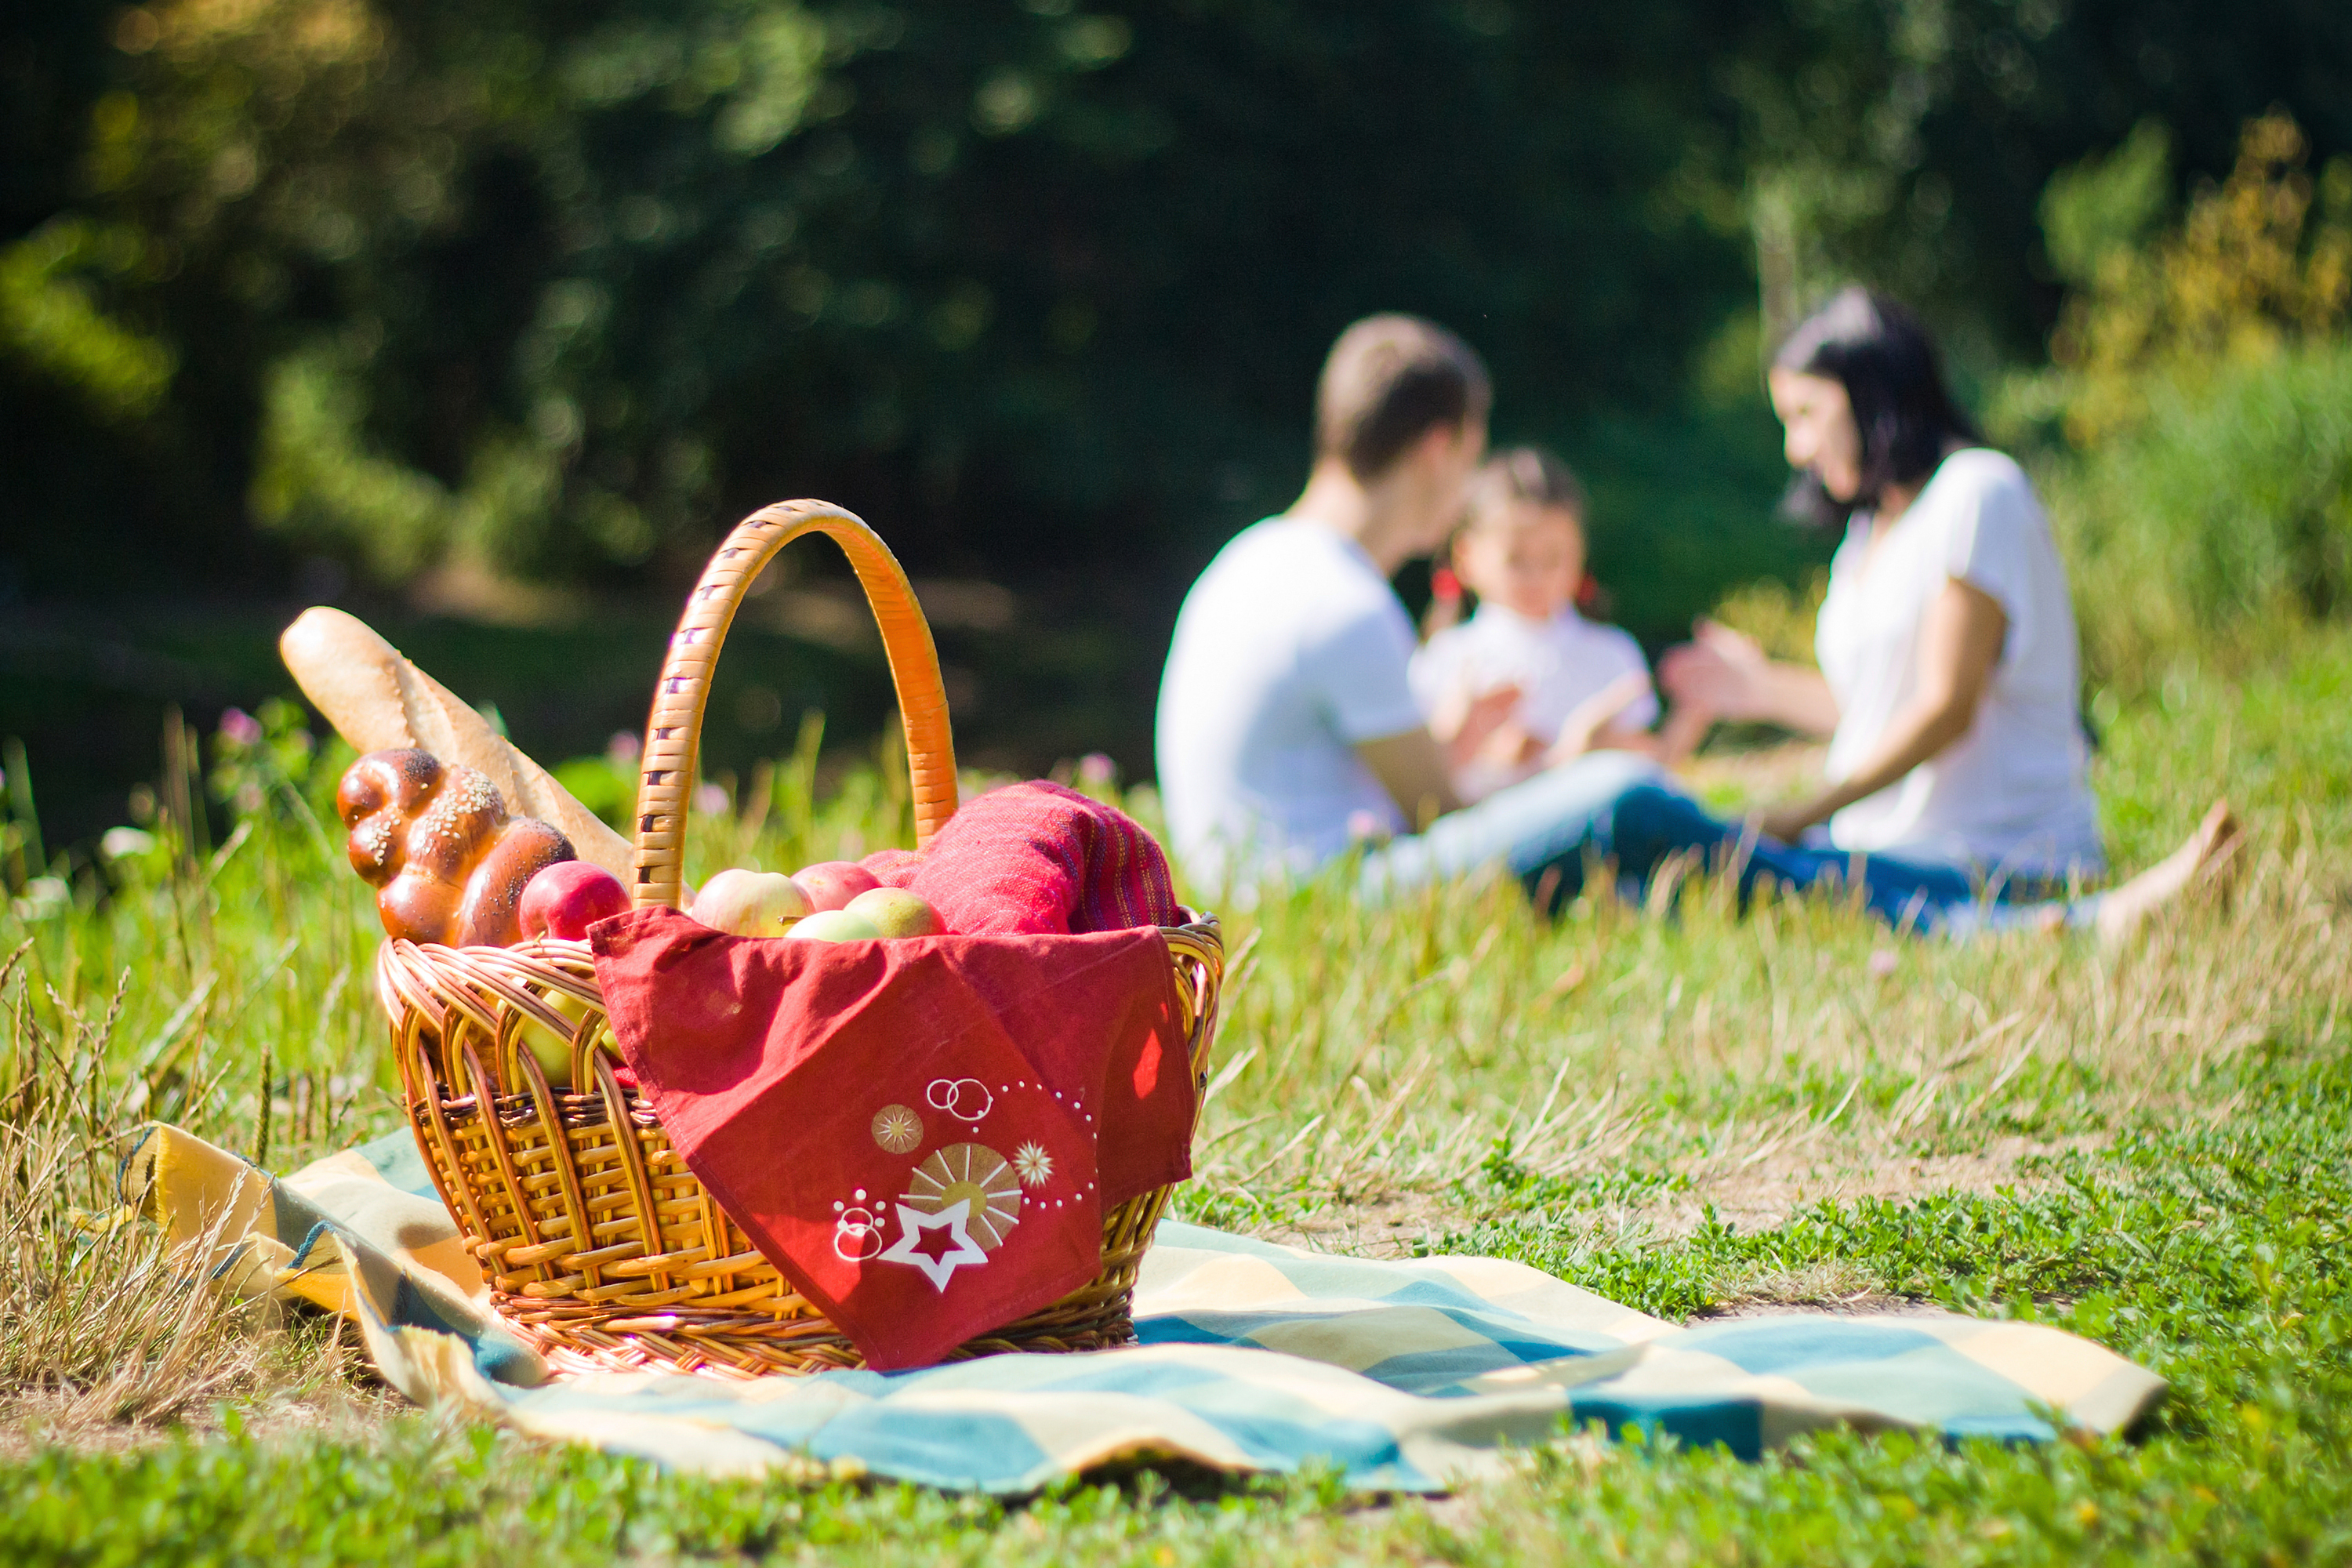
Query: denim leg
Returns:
{"type": "Point", "coordinates": [1907, 895]}
{"type": "Point", "coordinates": [1649, 825]}
{"type": "Point", "coordinates": [1644, 823]}
{"type": "Point", "coordinates": [1962, 921]}
{"type": "Point", "coordinates": [1611, 806]}
{"type": "Point", "coordinates": [1522, 829]}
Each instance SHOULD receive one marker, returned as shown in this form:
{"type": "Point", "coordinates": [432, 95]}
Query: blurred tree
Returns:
{"type": "Point", "coordinates": [1908, 141]}
{"type": "Point", "coordinates": [2104, 206]}
{"type": "Point", "coordinates": [2257, 264]}
{"type": "Point", "coordinates": [547, 293]}
{"type": "Point", "coordinates": [543, 294]}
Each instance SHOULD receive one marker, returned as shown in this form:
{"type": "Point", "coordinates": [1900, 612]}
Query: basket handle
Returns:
{"type": "Point", "coordinates": [674, 732]}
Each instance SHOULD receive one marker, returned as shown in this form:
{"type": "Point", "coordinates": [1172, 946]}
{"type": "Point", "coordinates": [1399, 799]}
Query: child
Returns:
{"type": "Point", "coordinates": [1581, 687]}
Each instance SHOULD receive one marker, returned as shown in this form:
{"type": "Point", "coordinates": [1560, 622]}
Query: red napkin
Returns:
{"type": "Point", "coordinates": [1037, 857]}
{"type": "Point", "coordinates": [921, 1134]}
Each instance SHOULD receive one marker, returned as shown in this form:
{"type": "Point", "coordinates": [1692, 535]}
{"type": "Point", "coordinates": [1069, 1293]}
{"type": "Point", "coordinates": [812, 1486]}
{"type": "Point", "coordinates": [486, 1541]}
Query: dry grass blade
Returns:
{"type": "Point", "coordinates": [107, 1322]}
{"type": "Point", "coordinates": [106, 1318]}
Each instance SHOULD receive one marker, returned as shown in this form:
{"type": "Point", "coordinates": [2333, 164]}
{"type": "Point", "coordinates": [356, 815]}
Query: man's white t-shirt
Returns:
{"type": "Point", "coordinates": [2010, 795]}
{"type": "Point", "coordinates": [1290, 649]}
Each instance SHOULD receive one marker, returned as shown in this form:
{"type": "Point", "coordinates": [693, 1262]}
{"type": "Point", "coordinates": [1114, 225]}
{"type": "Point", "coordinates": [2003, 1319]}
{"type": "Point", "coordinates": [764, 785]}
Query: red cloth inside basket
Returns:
{"type": "Point", "coordinates": [1037, 857]}
{"type": "Point", "coordinates": [924, 1134]}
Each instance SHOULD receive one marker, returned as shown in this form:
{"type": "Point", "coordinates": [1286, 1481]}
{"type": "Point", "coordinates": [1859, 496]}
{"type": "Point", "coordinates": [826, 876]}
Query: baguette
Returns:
{"type": "Point", "coordinates": [379, 702]}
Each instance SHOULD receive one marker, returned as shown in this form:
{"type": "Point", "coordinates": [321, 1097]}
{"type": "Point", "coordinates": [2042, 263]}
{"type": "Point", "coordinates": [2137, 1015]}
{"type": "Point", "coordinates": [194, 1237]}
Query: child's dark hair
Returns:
{"type": "Point", "coordinates": [1881, 352]}
{"type": "Point", "coordinates": [1518, 474]}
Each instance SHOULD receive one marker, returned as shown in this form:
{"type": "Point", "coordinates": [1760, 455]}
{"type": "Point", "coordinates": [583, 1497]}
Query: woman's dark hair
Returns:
{"type": "Point", "coordinates": [1881, 353]}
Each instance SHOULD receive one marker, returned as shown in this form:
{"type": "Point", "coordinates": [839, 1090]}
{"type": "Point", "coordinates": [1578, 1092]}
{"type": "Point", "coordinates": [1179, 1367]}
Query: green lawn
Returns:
{"type": "Point", "coordinates": [1684, 1111]}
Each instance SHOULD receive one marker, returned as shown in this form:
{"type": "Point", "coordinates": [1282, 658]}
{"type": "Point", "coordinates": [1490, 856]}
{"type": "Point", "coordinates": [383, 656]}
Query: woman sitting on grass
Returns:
{"type": "Point", "coordinates": [1948, 679]}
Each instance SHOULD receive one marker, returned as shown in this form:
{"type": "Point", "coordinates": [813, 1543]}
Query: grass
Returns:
{"type": "Point", "coordinates": [1685, 1111]}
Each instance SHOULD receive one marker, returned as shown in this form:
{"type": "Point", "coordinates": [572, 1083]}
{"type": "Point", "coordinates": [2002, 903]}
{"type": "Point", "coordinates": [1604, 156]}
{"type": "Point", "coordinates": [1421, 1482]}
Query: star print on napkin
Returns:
{"type": "Point", "coordinates": [919, 1243]}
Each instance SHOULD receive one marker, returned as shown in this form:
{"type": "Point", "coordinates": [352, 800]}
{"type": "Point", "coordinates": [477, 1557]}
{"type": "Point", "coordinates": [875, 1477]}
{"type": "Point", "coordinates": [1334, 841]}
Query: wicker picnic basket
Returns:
{"type": "Point", "coordinates": [600, 1247]}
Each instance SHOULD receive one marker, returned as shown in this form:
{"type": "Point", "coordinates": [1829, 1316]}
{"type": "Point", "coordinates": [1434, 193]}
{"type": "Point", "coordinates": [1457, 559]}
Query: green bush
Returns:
{"type": "Point", "coordinates": [2224, 514]}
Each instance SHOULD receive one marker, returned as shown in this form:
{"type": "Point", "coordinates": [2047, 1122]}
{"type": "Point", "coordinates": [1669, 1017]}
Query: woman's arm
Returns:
{"type": "Point", "coordinates": [1596, 725]}
{"type": "Point", "coordinates": [1724, 674]}
{"type": "Point", "coordinates": [1959, 642]}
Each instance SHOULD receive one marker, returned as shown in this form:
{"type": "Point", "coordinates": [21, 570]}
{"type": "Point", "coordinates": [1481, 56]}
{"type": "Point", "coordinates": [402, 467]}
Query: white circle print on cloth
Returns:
{"type": "Point", "coordinates": [965, 1098]}
{"type": "Point", "coordinates": [856, 1231]}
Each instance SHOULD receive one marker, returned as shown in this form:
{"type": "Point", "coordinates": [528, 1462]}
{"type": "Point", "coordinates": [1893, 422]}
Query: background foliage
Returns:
{"type": "Point", "coordinates": [501, 310]}
{"type": "Point", "coordinates": [2203, 386]}
{"type": "Point", "coordinates": [550, 290]}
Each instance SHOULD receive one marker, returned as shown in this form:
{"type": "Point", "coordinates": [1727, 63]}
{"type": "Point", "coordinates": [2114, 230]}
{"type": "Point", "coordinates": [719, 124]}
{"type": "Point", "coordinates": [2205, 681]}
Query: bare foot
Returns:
{"type": "Point", "coordinates": [2204, 859]}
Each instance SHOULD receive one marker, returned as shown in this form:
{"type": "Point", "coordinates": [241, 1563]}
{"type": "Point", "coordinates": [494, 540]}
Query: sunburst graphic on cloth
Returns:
{"type": "Point", "coordinates": [1032, 1162]}
{"type": "Point", "coordinates": [897, 1128]}
{"type": "Point", "coordinates": [979, 1176]}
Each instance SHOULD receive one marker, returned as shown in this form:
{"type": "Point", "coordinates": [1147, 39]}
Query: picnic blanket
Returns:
{"type": "Point", "coordinates": [1403, 1376]}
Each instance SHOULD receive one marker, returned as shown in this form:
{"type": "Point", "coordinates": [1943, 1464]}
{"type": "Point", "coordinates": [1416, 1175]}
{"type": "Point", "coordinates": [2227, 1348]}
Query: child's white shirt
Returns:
{"type": "Point", "coordinates": [1556, 664]}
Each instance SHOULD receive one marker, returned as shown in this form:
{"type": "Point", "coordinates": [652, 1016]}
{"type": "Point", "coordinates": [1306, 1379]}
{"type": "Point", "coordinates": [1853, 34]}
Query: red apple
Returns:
{"type": "Point", "coordinates": [895, 911]}
{"type": "Point", "coordinates": [750, 903]}
{"type": "Point", "coordinates": [831, 884]}
{"type": "Point", "coordinates": [564, 899]}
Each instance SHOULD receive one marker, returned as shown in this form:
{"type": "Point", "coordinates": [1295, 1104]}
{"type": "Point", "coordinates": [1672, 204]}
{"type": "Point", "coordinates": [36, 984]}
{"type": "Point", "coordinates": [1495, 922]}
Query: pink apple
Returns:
{"type": "Point", "coordinates": [831, 884]}
{"type": "Point", "coordinates": [895, 911]}
{"type": "Point", "coordinates": [750, 903]}
{"type": "Point", "coordinates": [834, 925]}
{"type": "Point", "coordinates": [564, 899]}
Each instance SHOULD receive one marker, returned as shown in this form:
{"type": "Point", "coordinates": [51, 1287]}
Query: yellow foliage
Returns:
{"type": "Point", "coordinates": [2249, 271]}
{"type": "Point", "coordinates": [1779, 618]}
{"type": "Point", "coordinates": [306, 34]}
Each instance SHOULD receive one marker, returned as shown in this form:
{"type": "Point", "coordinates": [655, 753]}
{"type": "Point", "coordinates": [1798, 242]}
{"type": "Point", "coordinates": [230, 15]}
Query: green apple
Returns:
{"type": "Point", "coordinates": [553, 1051]}
{"type": "Point", "coordinates": [834, 925]}
{"type": "Point", "coordinates": [895, 911]}
{"type": "Point", "coordinates": [750, 903]}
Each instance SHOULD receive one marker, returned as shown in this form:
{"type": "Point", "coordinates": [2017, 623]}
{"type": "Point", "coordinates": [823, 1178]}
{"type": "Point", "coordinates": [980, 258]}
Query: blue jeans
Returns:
{"type": "Point", "coordinates": [1527, 828]}
{"type": "Point", "coordinates": [1611, 806]}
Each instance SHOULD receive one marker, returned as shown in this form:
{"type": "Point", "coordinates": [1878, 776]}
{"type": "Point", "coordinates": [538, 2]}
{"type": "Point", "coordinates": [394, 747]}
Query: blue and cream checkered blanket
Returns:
{"type": "Point", "coordinates": [1406, 1376]}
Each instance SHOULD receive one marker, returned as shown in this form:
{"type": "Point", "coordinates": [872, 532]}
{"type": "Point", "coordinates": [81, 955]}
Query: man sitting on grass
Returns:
{"type": "Point", "coordinates": [1287, 729]}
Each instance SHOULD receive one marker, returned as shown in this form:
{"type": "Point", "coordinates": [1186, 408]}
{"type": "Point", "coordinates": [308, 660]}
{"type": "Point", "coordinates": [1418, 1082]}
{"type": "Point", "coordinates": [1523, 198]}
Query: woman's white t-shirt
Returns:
{"type": "Point", "coordinates": [2010, 795]}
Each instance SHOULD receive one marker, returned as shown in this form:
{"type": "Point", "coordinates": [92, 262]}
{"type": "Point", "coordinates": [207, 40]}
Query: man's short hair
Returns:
{"type": "Point", "coordinates": [1388, 381]}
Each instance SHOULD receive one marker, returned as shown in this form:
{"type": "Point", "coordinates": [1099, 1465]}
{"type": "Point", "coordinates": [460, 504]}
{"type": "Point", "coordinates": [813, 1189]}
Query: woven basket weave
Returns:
{"type": "Point", "coordinates": [601, 1248]}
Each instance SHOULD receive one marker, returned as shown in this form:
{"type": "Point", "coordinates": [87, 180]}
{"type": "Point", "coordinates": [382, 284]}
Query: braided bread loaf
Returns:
{"type": "Point", "coordinates": [446, 861]}
{"type": "Point", "coordinates": [376, 699]}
